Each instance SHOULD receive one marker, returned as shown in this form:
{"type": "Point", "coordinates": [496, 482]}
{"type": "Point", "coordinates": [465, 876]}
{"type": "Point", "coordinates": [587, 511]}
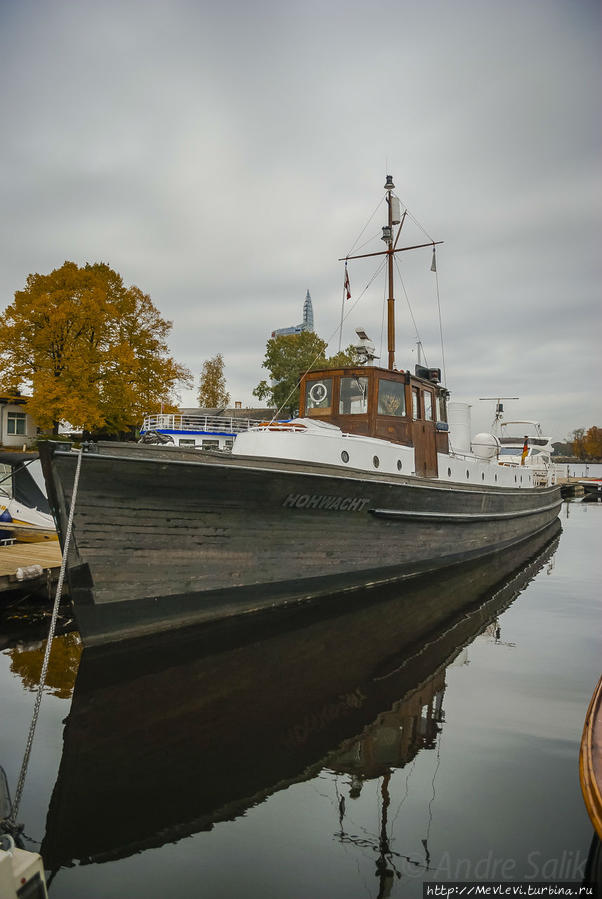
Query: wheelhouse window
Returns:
{"type": "Point", "coordinates": [442, 414]}
{"type": "Point", "coordinates": [354, 396]}
{"type": "Point", "coordinates": [415, 403]}
{"type": "Point", "coordinates": [391, 397]}
{"type": "Point", "coordinates": [15, 423]}
{"type": "Point", "coordinates": [427, 399]}
{"type": "Point", "coordinates": [318, 396]}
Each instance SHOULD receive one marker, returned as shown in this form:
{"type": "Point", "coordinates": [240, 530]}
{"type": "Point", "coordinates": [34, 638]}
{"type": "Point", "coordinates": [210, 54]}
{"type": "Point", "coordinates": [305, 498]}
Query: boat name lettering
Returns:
{"type": "Point", "coordinates": [320, 501]}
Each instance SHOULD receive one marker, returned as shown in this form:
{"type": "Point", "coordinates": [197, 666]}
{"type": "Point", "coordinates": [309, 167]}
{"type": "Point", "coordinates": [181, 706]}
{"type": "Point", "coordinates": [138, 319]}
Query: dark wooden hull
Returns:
{"type": "Point", "coordinates": [165, 539]}
{"type": "Point", "coordinates": [152, 745]}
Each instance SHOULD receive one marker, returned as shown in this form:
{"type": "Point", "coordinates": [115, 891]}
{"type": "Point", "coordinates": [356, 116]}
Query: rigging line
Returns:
{"type": "Point", "coordinates": [382, 320]}
{"type": "Point", "coordinates": [380, 202]}
{"type": "Point", "coordinates": [405, 293]}
{"type": "Point", "coordinates": [406, 794]}
{"type": "Point", "coordinates": [59, 589]}
{"type": "Point", "coordinates": [317, 356]}
{"type": "Point", "coordinates": [428, 829]}
{"type": "Point", "coordinates": [343, 309]}
{"type": "Point", "coordinates": [440, 324]}
{"type": "Point", "coordinates": [417, 223]}
{"type": "Point", "coordinates": [366, 242]}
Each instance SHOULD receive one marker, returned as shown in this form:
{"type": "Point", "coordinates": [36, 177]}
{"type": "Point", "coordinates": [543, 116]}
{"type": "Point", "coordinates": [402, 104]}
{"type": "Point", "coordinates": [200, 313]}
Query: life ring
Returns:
{"type": "Point", "coordinates": [318, 392]}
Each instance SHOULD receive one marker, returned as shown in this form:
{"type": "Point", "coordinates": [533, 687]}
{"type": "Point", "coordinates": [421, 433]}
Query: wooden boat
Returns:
{"type": "Point", "coordinates": [590, 760]}
{"type": "Point", "coordinates": [373, 482]}
{"type": "Point", "coordinates": [307, 685]}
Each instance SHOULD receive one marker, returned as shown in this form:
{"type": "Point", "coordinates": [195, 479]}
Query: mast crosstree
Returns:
{"type": "Point", "coordinates": [394, 218]}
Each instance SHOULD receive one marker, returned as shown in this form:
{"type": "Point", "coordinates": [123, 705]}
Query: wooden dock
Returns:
{"type": "Point", "coordinates": [571, 487]}
{"type": "Point", "coordinates": [46, 555]}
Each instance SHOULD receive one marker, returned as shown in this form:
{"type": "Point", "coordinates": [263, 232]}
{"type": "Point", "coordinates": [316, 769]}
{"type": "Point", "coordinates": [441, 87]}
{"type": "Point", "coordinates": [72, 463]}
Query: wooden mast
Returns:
{"type": "Point", "coordinates": [392, 248]}
{"type": "Point", "coordinates": [391, 299]}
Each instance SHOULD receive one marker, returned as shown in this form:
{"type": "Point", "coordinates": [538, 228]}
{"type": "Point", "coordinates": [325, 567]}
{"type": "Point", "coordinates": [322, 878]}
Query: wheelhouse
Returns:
{"type": "Point", "coordinates": [379, 402]}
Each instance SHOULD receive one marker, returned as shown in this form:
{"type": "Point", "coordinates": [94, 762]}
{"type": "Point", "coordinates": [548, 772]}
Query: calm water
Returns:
{"type": "Point", "coordinates": [358, 754]}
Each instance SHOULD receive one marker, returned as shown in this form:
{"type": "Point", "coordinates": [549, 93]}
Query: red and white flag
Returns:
{"type": "Point", "coordinates": [347, 285]}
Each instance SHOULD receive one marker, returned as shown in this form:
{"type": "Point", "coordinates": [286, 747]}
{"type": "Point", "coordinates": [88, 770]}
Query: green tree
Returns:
{"type": "Point", "coordinates": [212, 389]}
{"type": "Point", "coordinates": [287, 358]}
{"type": "Point", "coordinates": [92, 351]}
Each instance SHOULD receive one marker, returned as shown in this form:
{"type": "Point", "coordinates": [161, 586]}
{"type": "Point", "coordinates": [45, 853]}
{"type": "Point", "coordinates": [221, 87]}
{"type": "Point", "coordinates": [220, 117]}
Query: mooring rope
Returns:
{"type": "Point", "coordinates": [55, 609]}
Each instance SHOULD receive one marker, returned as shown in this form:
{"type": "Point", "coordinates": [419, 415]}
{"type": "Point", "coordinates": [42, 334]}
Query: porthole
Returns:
{"type": "Point", "coordinates": [449, 472]}
{"type": "Point", "coordinates": [345, 456]}
{"type": "Point", "coordinates": [318, 392]}
{"type": "Point", "coordinates": [467, 473]}
{"type": "Point", "coordinates": [399, 465]}
{"type": "Point", "coordinates": [375, 461]}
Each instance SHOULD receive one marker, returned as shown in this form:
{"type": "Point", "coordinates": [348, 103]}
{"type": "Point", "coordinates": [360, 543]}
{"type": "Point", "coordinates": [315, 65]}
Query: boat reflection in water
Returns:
{"type": "Point", "coordinates": [167, 741]}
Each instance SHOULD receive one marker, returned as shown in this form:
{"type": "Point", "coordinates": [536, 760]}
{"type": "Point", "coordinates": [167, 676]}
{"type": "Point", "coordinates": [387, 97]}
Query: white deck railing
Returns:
{"type": "Point", "coordinates": [206, 423]}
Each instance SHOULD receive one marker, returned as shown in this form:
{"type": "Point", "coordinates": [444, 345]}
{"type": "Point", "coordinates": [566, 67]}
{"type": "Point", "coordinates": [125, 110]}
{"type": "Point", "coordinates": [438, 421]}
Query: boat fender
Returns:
{"type": "Point", "coordinates": [28, 572]}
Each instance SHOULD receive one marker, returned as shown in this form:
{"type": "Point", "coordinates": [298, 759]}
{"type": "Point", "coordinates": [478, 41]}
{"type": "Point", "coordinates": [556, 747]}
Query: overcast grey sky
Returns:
{"type": "Point", "coordinates": [223, 156]}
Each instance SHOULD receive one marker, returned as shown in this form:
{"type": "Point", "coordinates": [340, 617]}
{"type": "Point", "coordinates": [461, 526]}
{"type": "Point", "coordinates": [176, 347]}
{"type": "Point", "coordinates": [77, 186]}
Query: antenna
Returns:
{"type": "Point", "coordinates": [364, 348]}
{"type": "Point", "coordinates": [499, 408]}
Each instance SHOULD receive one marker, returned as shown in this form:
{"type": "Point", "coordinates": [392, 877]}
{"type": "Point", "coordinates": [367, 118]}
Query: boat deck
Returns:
{"type": "Point", "coordinates": [23, 555]}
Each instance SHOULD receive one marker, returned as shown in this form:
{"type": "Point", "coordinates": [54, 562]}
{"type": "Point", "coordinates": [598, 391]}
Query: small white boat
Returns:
{"type": "Point", "coordinates": [522, 443]}
{"type": "Point", "coordinates": [24, 524]}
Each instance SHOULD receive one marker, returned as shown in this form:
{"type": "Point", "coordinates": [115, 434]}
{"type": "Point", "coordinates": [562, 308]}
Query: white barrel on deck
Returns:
{"type": "Point", "coordinates": [458, 419]}
{"type": "Point", "coordinates": [485, 446]}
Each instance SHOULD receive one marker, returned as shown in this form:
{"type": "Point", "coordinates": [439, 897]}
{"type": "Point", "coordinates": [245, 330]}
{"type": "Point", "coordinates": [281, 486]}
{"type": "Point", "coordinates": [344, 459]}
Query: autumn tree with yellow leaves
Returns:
{"type": "Point", "coordinates": [587, 445]}
{"type": "Point", "coordinates": [92, 351]}
{"type": "Point", "coordinates": [212, 388]}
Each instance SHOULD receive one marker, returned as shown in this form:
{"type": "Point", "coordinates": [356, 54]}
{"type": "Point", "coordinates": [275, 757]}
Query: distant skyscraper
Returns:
{"type": "Point", "coordinates": [306, 325]}
{"type": "Point", "coordinates": [308, 313]}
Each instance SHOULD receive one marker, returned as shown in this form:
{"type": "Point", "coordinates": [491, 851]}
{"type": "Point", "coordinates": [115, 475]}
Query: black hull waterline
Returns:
{"type": "Point", "coordinates": [168, 538]}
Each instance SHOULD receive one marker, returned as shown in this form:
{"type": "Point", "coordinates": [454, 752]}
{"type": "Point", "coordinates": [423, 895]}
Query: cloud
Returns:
{"type": "Point", "coordinates": [224, 158]}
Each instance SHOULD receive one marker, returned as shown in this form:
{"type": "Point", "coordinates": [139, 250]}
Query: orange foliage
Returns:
{"type": "Point", "coordinates": [92, 351]}
{"type": "Point", "coordinates": [592, 442]}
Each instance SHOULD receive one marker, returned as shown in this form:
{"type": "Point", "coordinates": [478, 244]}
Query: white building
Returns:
{"type": "Point", "coordinates": [17, 427]}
